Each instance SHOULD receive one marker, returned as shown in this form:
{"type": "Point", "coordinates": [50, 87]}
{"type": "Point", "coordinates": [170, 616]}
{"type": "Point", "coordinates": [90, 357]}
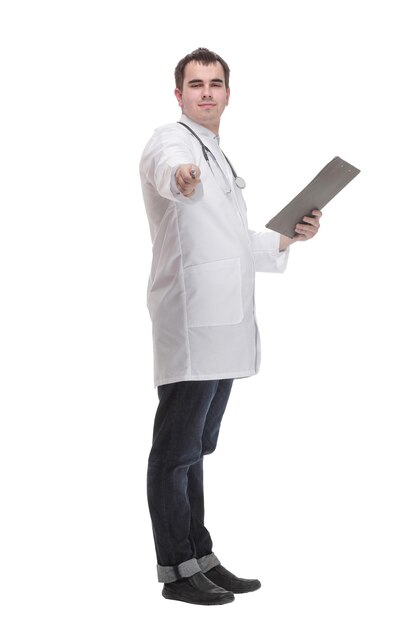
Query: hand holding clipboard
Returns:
{"type": "Point", "coordinates": [328, 182]}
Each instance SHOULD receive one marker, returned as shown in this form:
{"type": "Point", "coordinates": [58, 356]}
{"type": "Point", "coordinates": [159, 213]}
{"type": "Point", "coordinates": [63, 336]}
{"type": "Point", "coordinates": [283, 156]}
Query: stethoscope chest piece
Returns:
{"type": "Point", "coordinates": [240, 182]}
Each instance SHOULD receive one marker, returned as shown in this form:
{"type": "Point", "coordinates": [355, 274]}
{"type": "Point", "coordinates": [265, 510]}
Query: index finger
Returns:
{"type": "Point", "coordinates": [194, 172]}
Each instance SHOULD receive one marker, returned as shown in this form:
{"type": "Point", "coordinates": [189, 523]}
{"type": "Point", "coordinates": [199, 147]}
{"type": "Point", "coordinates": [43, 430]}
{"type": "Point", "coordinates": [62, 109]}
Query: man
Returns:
{"type": "Point", "coordinates": [201, 302]}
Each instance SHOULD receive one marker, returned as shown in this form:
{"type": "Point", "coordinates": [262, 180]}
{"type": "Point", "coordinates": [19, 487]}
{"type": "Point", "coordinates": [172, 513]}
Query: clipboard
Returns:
{"type": "Point", "coordinates": [328, 182]}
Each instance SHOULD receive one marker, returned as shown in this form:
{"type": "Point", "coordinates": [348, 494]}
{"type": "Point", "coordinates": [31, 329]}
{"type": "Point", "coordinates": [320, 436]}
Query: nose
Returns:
{"type": "Point", "coordinates": [206, 95]}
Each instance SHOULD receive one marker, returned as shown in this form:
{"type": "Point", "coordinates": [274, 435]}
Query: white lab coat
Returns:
{"type": "Point", "coordinates": [202, 280]}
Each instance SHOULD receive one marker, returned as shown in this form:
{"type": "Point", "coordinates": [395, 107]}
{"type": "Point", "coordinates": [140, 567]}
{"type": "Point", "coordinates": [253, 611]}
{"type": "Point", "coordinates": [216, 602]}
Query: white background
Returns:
{"type": "Point", "coordinates": [313, 485]}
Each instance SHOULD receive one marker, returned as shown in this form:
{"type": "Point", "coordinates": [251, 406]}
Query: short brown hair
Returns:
{"type": "Point", "coordinates": [203, 56]}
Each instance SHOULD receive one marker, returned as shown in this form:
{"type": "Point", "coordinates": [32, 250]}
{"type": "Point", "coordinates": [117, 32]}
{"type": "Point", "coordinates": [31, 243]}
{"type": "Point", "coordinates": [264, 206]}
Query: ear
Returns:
{"type": "Point", "coordinates": [178, 95]}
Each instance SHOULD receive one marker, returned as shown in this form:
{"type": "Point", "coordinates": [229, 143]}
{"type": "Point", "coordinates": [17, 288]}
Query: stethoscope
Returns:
{"type": "Point", "coordinates": [239, 182]}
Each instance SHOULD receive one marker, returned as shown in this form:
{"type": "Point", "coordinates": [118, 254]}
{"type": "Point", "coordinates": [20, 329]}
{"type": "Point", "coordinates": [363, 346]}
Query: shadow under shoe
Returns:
{"type": "Point", "coordinates": [220, 576]}
{"type": "Point", "coordinates": [196, 589]}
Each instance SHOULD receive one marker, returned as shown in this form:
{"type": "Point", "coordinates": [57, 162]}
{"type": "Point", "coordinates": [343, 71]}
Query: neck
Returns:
{"type": "Point", "coordinates": [212, 127]}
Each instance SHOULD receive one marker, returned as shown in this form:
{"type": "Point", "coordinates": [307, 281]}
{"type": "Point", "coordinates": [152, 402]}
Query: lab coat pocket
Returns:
{"type": "Point", "coordinates": [214, 293]}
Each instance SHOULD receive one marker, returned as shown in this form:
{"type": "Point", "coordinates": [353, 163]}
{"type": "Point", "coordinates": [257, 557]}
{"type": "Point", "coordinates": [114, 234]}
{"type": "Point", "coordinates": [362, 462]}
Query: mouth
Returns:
{"type": "Point", "coordinates": [207, 105]}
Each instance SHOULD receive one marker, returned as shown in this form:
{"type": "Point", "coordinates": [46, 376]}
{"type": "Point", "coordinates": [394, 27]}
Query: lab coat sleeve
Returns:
{"type": "Point", "coordinates": [161, 159]}
{"type": "Point", "coordinates": [265, 248]}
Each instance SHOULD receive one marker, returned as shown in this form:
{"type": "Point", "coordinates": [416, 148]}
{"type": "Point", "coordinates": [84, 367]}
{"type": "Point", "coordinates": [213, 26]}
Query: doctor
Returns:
{"type": "Point", "coordinates": [201, 303]}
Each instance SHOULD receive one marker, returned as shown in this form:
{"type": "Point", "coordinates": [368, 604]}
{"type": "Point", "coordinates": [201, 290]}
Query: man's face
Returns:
{"type": "Point", "coordinates": [204, 95]}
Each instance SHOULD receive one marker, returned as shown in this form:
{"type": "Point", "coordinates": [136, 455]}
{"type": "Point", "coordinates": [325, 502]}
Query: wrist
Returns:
{"type": "Point", "coordinates": [284, 242]}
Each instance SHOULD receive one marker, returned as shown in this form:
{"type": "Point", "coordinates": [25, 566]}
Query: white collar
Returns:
{"type": "Point", "coordinates": [198, 129]}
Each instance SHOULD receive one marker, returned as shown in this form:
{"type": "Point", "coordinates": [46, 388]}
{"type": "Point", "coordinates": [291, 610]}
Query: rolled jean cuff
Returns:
{"type": "Point", "coordinates": [170, 573]}
{"type": "Point", "coordinates": [208, 562]}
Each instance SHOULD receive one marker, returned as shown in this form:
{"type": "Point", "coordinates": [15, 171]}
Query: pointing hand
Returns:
{"type": "Point", "coordinates": [187, 178]}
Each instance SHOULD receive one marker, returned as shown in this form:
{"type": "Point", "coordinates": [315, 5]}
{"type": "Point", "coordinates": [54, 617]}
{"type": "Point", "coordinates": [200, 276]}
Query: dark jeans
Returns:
{"type": "Point", "coordinates": [187, 424]}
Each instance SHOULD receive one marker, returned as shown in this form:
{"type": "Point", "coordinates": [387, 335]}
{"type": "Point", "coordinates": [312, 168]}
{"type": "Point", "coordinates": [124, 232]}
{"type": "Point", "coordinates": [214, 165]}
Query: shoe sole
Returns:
{"type": "Point", "coordinates": [173, 596]}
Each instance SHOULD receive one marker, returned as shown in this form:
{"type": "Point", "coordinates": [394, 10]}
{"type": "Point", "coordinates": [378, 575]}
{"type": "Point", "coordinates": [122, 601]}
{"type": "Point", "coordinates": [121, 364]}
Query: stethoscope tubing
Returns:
{"type": "Point", "coordinates": [206, 151]}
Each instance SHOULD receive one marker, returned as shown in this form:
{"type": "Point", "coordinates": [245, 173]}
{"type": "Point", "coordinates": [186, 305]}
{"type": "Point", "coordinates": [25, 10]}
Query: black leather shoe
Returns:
{"type": "Point", "coordinates": [196, 589]}
{"type": "Point", "coordinates": [223, 578]}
